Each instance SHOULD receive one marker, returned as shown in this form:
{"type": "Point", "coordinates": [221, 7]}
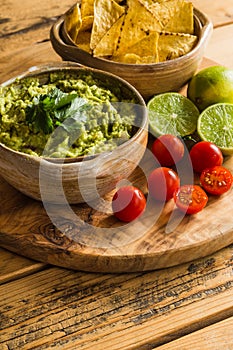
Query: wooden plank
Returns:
{"type": "Point", "coordinates": [23, 24]}
{"type": "Point", "coordinates": [63, 309]}
{"type": "Point", "coordinates": [13, 266]}
{"type": "Point", "coordinates": [220, 12]}
{"type": "Point", "coordinates": [23, 59]}
{"type": "Point", "coordinates": [219, 47]}
{"type": "Point", "coordinates": [214, 337]}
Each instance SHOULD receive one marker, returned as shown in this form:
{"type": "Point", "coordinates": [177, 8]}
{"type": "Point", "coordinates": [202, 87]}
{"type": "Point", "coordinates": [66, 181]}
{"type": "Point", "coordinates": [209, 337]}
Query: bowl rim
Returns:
{"type": "Point", "coordinates": [69, 65]}
{"type": "Point", "coordinates": [205, 29]}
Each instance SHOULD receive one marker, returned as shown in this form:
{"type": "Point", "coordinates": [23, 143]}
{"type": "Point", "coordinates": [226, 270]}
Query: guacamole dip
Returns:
{"type": "Point", "coordinates": [64, 117]}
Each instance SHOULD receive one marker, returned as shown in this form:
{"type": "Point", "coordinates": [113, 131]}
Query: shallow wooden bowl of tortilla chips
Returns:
{"type": "Point", "coordinates": [80, 179]}
{"type": "Point", "coordinates": [148, 78]}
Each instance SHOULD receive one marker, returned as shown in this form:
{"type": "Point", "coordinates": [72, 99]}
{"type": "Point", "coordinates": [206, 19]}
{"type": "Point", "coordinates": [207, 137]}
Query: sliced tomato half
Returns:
{"type": "Point", "coordinates": [216, 180]}
{"type": "Point", "coordinates": [190, 199]}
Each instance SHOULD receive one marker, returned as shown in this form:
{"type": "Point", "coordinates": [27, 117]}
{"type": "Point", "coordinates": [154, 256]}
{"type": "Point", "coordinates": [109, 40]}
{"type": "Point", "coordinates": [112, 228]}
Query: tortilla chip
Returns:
{"type": "Point", "coordinates": [139, 21]}
{"type": "Point", "coordinates": [73, 21]}
{"type": "Point", "coordinates": [147, 46]}
{"type": "Point", "coordinates": [181, 20]}
{"type": "Point", "coordinates": [87, 23]}
{"type": "Point", "coordinates": [83, 41]}
{"type": "Point", "coordinates": [107, 45]}
{"type": "Point", "coordinates": [106, 13]}
{"type": "Point", "coordinates": [146, 49]}
{"type": "Point", "coordinates": [87, 8]}
{"type": "Point", "coordinates": [174, 45]}
{"type": "Point", "coordinates": [162, 10]}
{"type": "Point", "coordinates": [175, 15]}
{"type": "Point", "coordinates": [132, 58]}
{"type": "Point", "coordinates": [140, 31]}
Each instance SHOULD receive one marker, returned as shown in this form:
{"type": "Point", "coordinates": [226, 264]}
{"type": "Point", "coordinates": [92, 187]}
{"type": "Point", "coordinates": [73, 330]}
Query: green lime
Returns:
{"type": "Point", "coordinates": [172, 113]}
{"type": "Point", "coordinates": [211, 85]}
{"type": "Point", "coordinates": [215, 124]}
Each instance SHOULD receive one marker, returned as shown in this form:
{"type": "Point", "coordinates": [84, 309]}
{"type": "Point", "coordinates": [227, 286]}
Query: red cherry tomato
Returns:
{"type": "Point", "coordinates": [162, 183]}
{"type": "Point", "coordinates": [128, 203]}
{"type": "Point", "coordinates": [216, 180]}
{"type": "Point", "coordinates": [205, 154]}
{"type": "Point", "coordinates": [168, 150]}
{"type": "Point", "coordinates": [190, 199]}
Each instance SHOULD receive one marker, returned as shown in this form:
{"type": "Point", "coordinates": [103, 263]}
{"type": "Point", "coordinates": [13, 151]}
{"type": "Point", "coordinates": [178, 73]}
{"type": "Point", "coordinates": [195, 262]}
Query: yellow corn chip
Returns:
{"type": "Point", "coordinates": [146, 49]}
{"type": "Point", "coordinates": [106, 13]}
{"type": "Point", "coordinates": [87, 23]}
{"type": "Point", "coordinates": [139, 21]}
{"type": "Point", "coordinates": [175, 15]}
{"type": "Point", "coordinates": [87, 8]}
{"type": "Point", "coordinates": [83, 41]}
{"type": "Point", "coordinates": [173, 45]}
{"type": "Point", "coordinates": [73, 21]}
{"type": "Point", "coordinates": [147, 46]}
{"type": "Point", "coordinates": [138, 32]}
{"type": "Point", "coordinates": [132, 58]}
{"type": "Point", "coordinates": [107, 45]}
{"type": "Point", "coordinates": [181, 20]}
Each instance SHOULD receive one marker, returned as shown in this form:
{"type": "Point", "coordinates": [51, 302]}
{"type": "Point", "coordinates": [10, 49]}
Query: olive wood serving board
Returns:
{"type": "Point", "coordinates": [86, 237]}
{"type": "Point", "coordinates": [106, 245]}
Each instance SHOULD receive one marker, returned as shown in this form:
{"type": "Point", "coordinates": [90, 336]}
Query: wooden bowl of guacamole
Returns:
{"type": "Point", "coordinates": [69, 133]}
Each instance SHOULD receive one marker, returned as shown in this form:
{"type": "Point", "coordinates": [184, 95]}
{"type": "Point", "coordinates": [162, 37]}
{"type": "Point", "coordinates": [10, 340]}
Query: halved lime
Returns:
{"type": "Point", "coordinates": [172, 113]}
{"type": "Point", "coordinates": [215, 124]}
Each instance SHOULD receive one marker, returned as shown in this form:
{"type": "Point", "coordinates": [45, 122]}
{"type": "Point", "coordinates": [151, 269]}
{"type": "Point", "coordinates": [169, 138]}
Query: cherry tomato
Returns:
{"type": "Point", "coordinates": [216, 180]}
{"type": "Point", "coordinates": [205, 154]}
{"type": "Point", "coordinates": [162, 183]}
{"type": "Point", "coordinates": [190, 199]}
{"type": "Point", "coordinates": [128, 203]}
{"type": "Point", "coordinates": [168, 149]}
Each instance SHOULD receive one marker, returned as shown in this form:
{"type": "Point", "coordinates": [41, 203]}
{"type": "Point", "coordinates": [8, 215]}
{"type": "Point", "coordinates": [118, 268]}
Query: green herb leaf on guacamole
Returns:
{"type": "Point", "coordinates": [50, 110]}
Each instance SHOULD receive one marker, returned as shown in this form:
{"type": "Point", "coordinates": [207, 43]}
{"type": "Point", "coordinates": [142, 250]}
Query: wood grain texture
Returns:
{"type": "Point", "coordinates": [214, 337]}
{"type": "Point", "coordinates": [220, 12]}
{"type": "Point", "coordinates": [57, 308]}
{"type": "Point", "coordinates": [24, 59]}
{"type": "Point", "coordinates": [62, 309]}
{"type": "Point", "coordinates": [23, 24]}
{"type": "Point", "coordinates": [224, 55]}
{"type": "Point", "coordinates": [13, 266]}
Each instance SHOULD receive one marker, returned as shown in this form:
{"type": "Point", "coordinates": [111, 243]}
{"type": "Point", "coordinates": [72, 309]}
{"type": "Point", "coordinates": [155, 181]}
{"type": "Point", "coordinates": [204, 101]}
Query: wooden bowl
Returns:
{"type": "Point", "coordinates": [80, 179]}
{"type": "Point", "coordinates": [148, 79]}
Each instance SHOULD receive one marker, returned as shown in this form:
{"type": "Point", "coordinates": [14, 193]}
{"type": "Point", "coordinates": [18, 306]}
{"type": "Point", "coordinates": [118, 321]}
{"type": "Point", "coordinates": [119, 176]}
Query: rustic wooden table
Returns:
{"type": "Point", "coordinates": [48, 307]}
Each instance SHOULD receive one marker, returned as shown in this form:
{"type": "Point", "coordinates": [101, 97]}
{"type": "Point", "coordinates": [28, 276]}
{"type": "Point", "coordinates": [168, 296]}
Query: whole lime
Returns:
{"type": "Point", "coordinates": [211, 85]}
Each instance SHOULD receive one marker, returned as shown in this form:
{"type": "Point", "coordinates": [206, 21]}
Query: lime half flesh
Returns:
{"type": "Point", "coordinates": [215, 124]}
{"type": "Point", "coordinates": [172, 113]}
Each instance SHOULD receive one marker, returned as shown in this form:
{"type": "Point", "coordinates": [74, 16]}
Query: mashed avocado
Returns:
{"type": "Point", "coordinates": [65, 117]}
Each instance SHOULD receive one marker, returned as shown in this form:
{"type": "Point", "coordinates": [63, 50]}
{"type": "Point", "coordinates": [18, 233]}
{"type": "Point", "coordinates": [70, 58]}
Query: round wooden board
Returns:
{"type": "Point", "coordinates": [88, 238]}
